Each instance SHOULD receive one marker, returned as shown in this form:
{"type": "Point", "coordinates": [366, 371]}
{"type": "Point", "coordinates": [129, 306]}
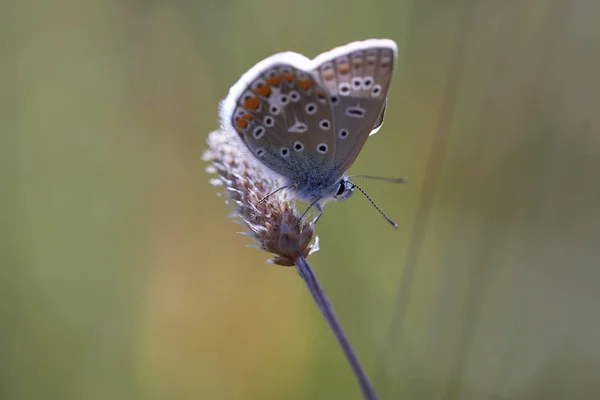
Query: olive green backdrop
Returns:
{"type": "Point", "coordinates": [122, 278]}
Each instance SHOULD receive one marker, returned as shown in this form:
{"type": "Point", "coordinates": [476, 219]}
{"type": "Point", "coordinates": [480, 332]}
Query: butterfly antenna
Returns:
{"type": "Point", "coordinates": [391, 221]}
{"type": "Point", "coordinates": [274, 191]}
{"type": "Point", "coordinates": [380, 178]}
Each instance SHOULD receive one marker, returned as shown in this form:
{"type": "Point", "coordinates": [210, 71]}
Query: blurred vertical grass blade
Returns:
{"type": "Point", "coordinates": [497, 293]}
{"type": "Point", "coordinates": [453, 82]}
{"type": "Point", "coordinates": [67, 214]}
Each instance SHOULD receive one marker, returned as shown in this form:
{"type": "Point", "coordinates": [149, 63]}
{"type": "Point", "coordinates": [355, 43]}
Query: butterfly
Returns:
{"type": "Point", "coordinates": [307, 120]}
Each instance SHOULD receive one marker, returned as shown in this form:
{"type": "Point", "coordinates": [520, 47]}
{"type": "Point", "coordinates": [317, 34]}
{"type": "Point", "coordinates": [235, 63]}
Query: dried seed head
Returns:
{"type": "Point", "coordinates": [274, 221]}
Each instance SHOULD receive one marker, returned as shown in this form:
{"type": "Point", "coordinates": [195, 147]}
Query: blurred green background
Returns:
{"type": "Point", "coordinates": [122, 278]}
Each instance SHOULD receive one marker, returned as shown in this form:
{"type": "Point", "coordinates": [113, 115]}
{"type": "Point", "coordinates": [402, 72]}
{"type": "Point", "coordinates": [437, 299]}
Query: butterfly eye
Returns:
{"type": "Point", "coordinates": [343, 133]}
{"type": "Point", "coordinates": [341, 189]}
{"type": "Point", "coordinates": [376, 91]}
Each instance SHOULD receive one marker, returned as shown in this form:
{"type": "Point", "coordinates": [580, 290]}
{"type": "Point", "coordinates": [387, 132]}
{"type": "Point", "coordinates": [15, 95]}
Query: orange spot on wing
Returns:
{"type": "Point", "coordinates": [242, 122]}
{"type": "Point", "coordinates": [386, 60]}
{"type": "Point", "coordinates": [328, 75]}
{"type": "Point", "coordinates": [263, 90]}
{"type": "Point", "coordinates": [305, 83]}
{"type": "Point", "coordinates": [274, 80]}
{"type": "Point", "coordinates": [251, 103]}
{"type": "Point", "coordinates": [356, 63]}
{"type": "Point", "coordinates": [320, 94]}
{"type": "Point", "coordinates": [288, 77]}
{"type": "Point", "coordinates": [344, 68]}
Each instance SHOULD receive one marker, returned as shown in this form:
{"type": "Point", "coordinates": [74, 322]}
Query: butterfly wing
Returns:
{"type": "Point", "coordinates": [283, 115]}
{"type": "Point", "coordinates": [357, 79]}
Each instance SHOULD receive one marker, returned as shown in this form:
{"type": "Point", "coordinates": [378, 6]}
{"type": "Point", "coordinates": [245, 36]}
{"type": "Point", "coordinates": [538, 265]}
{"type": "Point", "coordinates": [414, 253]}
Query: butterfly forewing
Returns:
{"type": "Point", "coordinates": [357, 79]}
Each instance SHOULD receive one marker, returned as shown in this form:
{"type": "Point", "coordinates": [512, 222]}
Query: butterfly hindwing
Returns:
{"type": "Point", "coordinates": [284, 117]}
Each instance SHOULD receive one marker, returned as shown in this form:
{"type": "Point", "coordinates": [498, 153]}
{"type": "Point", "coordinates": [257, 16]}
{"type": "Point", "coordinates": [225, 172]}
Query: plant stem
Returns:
{"type": "Point", "coordinates": [306, 272]}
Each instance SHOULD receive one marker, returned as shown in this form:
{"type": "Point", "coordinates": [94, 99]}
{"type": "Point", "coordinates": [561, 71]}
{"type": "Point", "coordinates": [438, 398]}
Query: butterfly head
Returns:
{"type": "Point", "coordinates": [343, 189]}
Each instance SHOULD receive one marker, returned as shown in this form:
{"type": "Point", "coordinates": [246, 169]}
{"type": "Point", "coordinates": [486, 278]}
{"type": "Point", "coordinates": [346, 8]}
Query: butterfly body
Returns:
{"type": "Point", "coordinates": [307, 120]}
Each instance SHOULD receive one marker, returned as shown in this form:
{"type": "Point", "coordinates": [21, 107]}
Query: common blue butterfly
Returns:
{"type": "Point", "coordinates": [307, 120]}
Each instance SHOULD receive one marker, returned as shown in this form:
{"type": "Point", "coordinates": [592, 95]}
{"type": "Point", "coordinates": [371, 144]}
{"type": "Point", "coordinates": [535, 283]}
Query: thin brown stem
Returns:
{"type": "Point", "coordinates": [306, 272]}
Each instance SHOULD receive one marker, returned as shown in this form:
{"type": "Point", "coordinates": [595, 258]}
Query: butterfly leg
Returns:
{"type": "Point", "coordinates": [320, 210]}
{"type": "Point", "coordinates": [316, 205]}
{"type": "Point", "coordinates": [275, 191]}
